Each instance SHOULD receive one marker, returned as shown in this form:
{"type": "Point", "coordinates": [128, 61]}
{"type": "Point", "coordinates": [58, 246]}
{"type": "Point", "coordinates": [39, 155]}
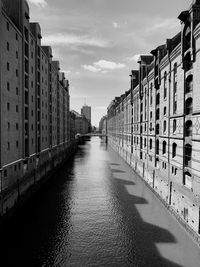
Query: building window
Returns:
{"type": "Point", "coordinates": [8, 86]}
{"type": "Point", "coordinates": [16, 73]}
{"type": "Point", "coordinates": [8, 146]}
{"type": "Point", "coordinates": [17, 109]}
{"type": "Point", "coordinates": [17, 91]}
{"type": "Point", "coordinates": [188, 106]}
{"type": "Point", "coordinates": [165, 85]}
{"type": "Point", "coordinates": [151, 93]}
{"type": "Point", "coordinates": [150, 145]}
{"type": "Point", "coordinates": [8, 66]}
{"type": "Point", "coordinates": [175, 89]}
{"type": "Point", "coordinates": [17, 126]}
{"type": "Point", "coordinates": [157, 147]}
{"type": "Point", "coordinates": [8, 26]}
{"type": "Point", "coordinates": [8, 46]}
{"type": "Point", "coordinates": [164, 147]}
{"type": "Point", "coordinates": [188, 155]}
{"type": "Point", "coordinates": [174, 126]}
{"type": "Point", "coordinates": [5, 173]}
{"type": "Point", "coordinates": [164, 126]}
{"type": "Point", "coordinates": [8, 106]}
{"type": "Point", "coordinates": [16, 36]}
{"type": "Point", "coordinates": [174, 148]}
{"type": "Point", "coordinates": [17, 144]}
{"type": "Point", "coordinates": [8, 126]}
{"type": "Point", "coordinates": [165, 111]}
{"type": "Point", "coordinates": [188, 128]}
{"type": "Point", "coordinates": [17, 54]}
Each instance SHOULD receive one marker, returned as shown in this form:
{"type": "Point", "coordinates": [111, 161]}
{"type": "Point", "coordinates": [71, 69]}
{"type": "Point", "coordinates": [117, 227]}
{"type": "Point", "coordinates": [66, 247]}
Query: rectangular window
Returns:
{"type": "Point", "coordinates": [8, 86]}
{"type": "Point", "coordinates": [8, 66]}
{"type": "Point", "coordinates": [17, 91]}
{"type": "Point", "coordinates": [8, 26]}
{"type": "Point", "coordinates": [8, 106]}
{"type": "Point", "coordinates": [8, 46]}
{"type": "Point", "coordinates": [17, 144]}
{"type": "Point", "coordinates": [8, 146]}
{"type": "Point", "coordinates": [17, 108]}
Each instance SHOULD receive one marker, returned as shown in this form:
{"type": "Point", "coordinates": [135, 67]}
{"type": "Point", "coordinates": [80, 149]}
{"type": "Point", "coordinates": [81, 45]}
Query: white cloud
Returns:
{"type": "Point", "coordinates": [103, 66]}
{"type": "Point", "coordinates": [109, 65]}
{"type": "Point", "coordinates": [67, 72]}
{"type": "Point", "coordinates": [71, 39]}
{"type": "Point", "coordinates": [91, 68]}
{"type": "Point", "coordinates": [40, 3]}
{"type": "Point", "coordinates": [161, 24]}
{"type": "Point", "coordinates": [134, 58]}
{"type": "Point", "coordinates": [116, 25]}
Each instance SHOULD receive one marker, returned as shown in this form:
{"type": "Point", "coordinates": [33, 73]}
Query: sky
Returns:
{"type": "Point", "coordinates": [98, 42]}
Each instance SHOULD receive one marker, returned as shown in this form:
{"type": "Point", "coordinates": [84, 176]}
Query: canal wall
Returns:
{"type": "Point", "coordinates": [168, 194]}
{"type": "Point", "coordinates": [31, 180]}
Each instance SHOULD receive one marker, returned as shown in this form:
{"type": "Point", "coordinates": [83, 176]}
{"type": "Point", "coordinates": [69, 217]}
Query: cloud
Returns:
{"type": "Point", "coordinates": [72, 39]}
{"type": "Point", "coordinates": [116, 25]}
{"type": "Point", "coordinates": [91, 68]}
{"type": "Point", "coordinates": [161, 24]}
{"type": "Point", "coordinates": [134, 58]}
{"type": "Point", "coordinates": [67, 72]}
{"type": "Point", "coordinates": [40, 3]}
{"type": "Point", "coordinates": [109, 65]}
{"type": "Point", "coordinates": [103, 66]}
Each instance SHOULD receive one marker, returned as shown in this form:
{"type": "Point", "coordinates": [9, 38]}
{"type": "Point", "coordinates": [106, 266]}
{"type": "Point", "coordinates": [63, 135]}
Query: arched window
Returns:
{"type": "Point", "coordinates": [165, 85]}
{"type": "Point", "coordinates": [164, 147]}
{"type": "Point", "coordinates": [164, 126]}
{"type": "Point", "coordinates": [174, 148]}
{"type": "Point", "coordinates": [188, 128]}
{"type": "Point", "coordinates": [175, 89]}
{"type": "Point", "coordinates": [150, 145]}
{"type": "Point", "coordinates": [157, 114]}
{"type": "Point", "coordinates": [189, 84]}
{"type": "Point", "coordinates": [165, 111]}
{"type": "Point", "coordinates": [174, 126]}
{"type": "Point", "coordinates": [188, 106]}
{"type": "Point", "coordinates": [157, 128]}
{"type": "Point", "coordinates": [188, 154]}
{"type": "Point", "coordinates": [157, 147]}
{"type": "Point", "coordinates": [151, 93]}
{"type": "Point", "coordinates": [175, 70]}
{"type": "Point", "coordinates": [141, 142]}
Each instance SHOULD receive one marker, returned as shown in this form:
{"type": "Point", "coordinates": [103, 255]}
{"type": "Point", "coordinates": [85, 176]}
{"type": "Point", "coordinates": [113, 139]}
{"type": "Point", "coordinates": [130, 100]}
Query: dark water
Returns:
{"type": "Point", "coordinates": [96, 212]}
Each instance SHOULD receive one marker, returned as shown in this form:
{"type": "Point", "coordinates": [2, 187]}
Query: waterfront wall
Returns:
{"type": "Point", "coordinates": [154, 125]}
{"type": "Point", "coordinates": [37, 132]}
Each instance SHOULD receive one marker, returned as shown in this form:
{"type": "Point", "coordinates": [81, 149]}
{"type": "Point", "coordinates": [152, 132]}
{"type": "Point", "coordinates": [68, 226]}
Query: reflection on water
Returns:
{"type": "Point", "coordinates": [86, 216]}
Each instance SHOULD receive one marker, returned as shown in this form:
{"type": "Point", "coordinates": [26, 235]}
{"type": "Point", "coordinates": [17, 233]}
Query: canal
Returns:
{"type": "Point", "coordinates": [96, 212]}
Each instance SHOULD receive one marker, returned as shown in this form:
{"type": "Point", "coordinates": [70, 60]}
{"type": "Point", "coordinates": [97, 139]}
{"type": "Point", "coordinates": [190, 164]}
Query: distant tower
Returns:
{"type": "Point", "coordinates": [86, 111]}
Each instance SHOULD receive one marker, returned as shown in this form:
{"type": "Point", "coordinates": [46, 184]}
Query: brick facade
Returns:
{"type": "Point", "coordinates": [155, 126]}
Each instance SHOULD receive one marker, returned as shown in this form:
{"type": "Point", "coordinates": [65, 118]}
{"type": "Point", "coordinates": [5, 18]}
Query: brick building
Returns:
{"type": "Point", "coordinates": [34, 98]}
{"type": "Point", "coordinates": [155, 125]}
{"type": "Point", "coordinates": [82, 125]}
